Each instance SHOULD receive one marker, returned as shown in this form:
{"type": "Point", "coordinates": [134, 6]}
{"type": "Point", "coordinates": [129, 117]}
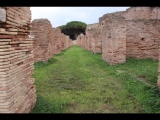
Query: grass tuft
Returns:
{"type": "Point", "coordinates": [78, 81]}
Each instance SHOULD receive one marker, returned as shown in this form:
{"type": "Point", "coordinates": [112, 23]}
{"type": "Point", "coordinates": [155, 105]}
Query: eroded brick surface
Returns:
{"type": "Point", "coordinates": [57, 40]}
{"type": "Point", "coordinates": [94, 40]}
{"type": "Point", "coordinates": [114, 38]}
{"type": "Point", "coordinates": [130, 33]}
{"type": "Point", "coordinates": [17, 92]}
{"type": "Point", "coordinates": [142, 32]}
{"type": "Point", "coordinates": [43, 39]}
{"type": "Point", "coordinates": [142, 39]}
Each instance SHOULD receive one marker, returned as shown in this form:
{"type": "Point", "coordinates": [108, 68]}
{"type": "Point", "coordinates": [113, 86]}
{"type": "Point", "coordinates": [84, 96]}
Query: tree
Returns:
{"type": "Point", "coordinates": [73, 28]}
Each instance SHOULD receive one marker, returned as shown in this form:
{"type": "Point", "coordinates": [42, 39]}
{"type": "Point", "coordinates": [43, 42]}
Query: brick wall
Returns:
{"type": "Point", "coordinates": [98, 41]}
{"type": "Point", "coordinates": [17, 92]}
{"type": "Point", "coordinates": [43, 39]}
{"type": "Point", "coordinates": [82, 39]}
{"type": "Point", "coordinates": [63, 41]}
{"type": "Point", "coordinates": [142, 32]}
{"type": "Point", "coordinates": [114, 38]}
{"type": "Point", "coordinates": [78, 40]}
{"type": "Point", "coordinates": [70, 42]}
{"type": "Point", "coordinates": [142, 39]}
{"type": "Point", "coordinates": [57, 37]}
{"type": "Point", "coordinates": [89, 35]}
{"type": "Point", "coordinates": [93, 38]}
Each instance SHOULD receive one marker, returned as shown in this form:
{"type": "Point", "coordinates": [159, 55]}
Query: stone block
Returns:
{"type": "Point", "coordinates": [2, 15]}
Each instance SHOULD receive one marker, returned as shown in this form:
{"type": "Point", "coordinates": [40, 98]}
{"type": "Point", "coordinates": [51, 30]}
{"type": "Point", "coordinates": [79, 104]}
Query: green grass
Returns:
{"type": "Point", "coordinates": [78, 81]}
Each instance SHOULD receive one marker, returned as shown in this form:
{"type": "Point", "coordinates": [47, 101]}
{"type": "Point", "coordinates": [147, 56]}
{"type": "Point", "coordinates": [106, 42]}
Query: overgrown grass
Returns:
{"type": "Point", "coordinates": [78, 81]}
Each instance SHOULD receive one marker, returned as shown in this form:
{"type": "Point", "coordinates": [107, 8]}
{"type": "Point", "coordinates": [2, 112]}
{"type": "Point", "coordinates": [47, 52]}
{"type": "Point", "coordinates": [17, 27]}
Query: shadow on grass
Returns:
{"type": "Point", "coordinates": [45, 105]}
{"type": "Point", "coordinates": [60, 54]}
{"type": "Point", "coordinates": [44, 64]}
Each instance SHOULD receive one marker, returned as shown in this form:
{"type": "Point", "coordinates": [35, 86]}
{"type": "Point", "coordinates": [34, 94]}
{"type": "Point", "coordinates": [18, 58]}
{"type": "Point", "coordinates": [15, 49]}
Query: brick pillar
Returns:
{"type": "Point", "coordinates": [17, 92]}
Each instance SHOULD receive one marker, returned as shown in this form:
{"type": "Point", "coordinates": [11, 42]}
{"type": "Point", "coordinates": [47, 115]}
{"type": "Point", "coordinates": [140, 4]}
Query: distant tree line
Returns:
{"type": "Point", "coordinates": [73, 29]}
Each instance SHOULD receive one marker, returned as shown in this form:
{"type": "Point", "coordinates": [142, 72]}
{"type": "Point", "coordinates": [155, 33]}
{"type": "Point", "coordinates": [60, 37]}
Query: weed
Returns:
{"type": "Point", "coordinates": [78, 81]}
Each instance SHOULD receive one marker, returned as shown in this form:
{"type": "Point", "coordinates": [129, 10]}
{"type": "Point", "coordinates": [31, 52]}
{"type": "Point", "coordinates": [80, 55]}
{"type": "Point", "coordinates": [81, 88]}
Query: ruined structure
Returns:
{"type": "Point", "coordinates": [70, 42]}
{"type": "Point", "coordinates": [67, 41]}
{"type": "Point", "coordinates": [130, 33]}
{"type": "Point", "coordinates": [94, 40]}
{"type": "Point", "coordinates": [64, 41]}
{"type": "Point", "coordinates": [142, 32]}
{"type": "Point", "coordinates": [57, 41]}
{"type": "Point", "coordinates": [74, 42]}
{"type": "Point", "coordinates": [78, 40]}
{"type": "Point", "coordinates": [62, 38]}
{"type": "Point", "coordinates": [82, 38]}
{"type": "Point", "coordinates": [114, 38]}
{"type": "Point", "coordinates": [97, 48]}
{"type": "Point", "coordinates": [43, 39]}
{"type": "Point", "coordinates": [17, 92]}
{"type": "Point", "coordinates": [47, 40]}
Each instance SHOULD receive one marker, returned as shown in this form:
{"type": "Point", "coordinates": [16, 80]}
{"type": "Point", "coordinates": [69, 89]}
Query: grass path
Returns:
{"type": "Point", "coordinates": [77, 81]}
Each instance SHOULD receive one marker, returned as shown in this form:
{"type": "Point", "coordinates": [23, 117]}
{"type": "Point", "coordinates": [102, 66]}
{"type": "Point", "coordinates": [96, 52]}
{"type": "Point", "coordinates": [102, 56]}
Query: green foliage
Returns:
{"type": "Point", "coordinates": [62, 27]}
{"type": "Point", "coordinates": [77, 81]}
{"type": "Point", "coordinates": [73, 28]}
{"type": "Point", "coordinates": [76, 25]}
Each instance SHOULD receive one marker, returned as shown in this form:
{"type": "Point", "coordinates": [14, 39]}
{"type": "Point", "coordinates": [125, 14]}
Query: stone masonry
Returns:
{"type": "Point", "coordinates": [81, 40]}
{"type": "Point", "coordinates": [114, 40]}
{"type": "Point", "coordinates": [17, 92]}
{"type": "Point", "coordinates": [142, 39]}
{"type": "Point", "coordinates": [131, 33]}
{"type": "Point", "coordinates": [57, 37]}
{"type": "Point", "coordinates": [93, 33]}
{"type": "Point", "coordinates": [43, 40]}
{"type": "Point", "coordinates": [142, 32]}
{"type": "Point", "coordinates": [78, 40]}
{"type": "Point", "coordinates": [136, 29]}
{"type": "Point", "coordinates": [47, 40]}
{"type": "Point", "coordinates": [62, 38]}
{"type": "Point", "coordinates": [70, 42]}
{"type": "Point", "coordinates": [67, 39]}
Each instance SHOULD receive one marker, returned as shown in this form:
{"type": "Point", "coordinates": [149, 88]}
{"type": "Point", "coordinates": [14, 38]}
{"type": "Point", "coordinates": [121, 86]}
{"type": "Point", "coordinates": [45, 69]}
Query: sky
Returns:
{"type": "Point", "coordinates": [61, 15]}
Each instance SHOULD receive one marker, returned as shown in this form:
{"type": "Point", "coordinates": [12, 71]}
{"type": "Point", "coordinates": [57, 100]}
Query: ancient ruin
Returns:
{"type": "Point", "coordinates": [81, 40]}
{"type": "Point", "coordinates": [57, 41]}
{"type": "Point", "coordinates": [47, 40]}
{"type": "Point", "coordinates": [17, 92]}
{"type": "Point", "coordinates": [119, 35]}
{"type": "Point", "coordinates": [92, 40]}
{"type": "Point", "coordinates": [124, 34]}
{"type": "Point", "coordinates": [130, 33]}
{"type": "Point", "coordinates": [142, 32]}
{"type": "Point", "coordinates": [93, 34]}
{"type": "Point", "coordinates": [43, 40]}
{"type": "Point", "coordinates": [78, 40]}
{"type": "Point", "coordinates": [21, 44]}
{"type": "Point", "coordinates": [114, 38]}
{"type": "Point", "coordinates": [63, 41]}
